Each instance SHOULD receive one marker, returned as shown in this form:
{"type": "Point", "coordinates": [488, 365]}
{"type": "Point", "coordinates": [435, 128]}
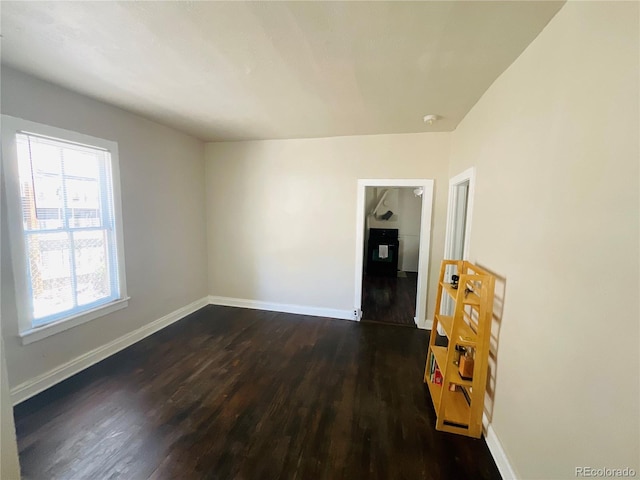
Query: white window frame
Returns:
{"type": "Point", "coordinates": [26, 330]}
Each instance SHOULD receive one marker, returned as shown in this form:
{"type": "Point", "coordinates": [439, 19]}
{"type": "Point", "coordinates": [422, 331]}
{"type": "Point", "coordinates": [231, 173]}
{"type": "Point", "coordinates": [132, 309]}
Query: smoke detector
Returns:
{"type": "Point", "coordinates": [429, 119]}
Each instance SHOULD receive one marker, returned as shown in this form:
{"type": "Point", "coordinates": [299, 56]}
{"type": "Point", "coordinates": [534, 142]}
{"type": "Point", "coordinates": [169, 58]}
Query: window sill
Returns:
{"type": "Point", "coordinates": [44, 331]}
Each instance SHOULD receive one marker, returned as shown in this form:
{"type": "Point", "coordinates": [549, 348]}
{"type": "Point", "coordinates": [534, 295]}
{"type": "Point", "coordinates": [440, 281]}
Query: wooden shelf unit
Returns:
{"type": "Point", "coordinates": [459, 402]}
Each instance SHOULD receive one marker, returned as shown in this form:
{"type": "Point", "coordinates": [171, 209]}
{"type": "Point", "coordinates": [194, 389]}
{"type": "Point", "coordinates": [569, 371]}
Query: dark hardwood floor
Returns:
{"type": "Point", "coordinates": [389, 299]}
{"type": "Point", "coordinates": [230, 393]}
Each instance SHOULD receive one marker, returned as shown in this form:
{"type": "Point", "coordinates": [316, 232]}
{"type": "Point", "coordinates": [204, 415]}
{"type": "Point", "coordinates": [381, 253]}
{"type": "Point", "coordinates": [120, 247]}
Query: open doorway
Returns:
{"type": "Point", "coordinates": [392, 250]}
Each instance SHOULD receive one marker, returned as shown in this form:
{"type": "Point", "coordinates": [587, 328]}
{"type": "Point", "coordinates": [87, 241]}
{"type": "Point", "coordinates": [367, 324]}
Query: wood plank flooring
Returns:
{"type": "Point", "coordinates": [229, 393]}
{"type": "Point", "coordinates": [390, 299]}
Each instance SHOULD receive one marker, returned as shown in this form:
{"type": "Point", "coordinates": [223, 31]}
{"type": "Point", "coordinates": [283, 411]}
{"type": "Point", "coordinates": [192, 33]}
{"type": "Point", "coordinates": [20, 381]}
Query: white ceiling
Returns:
{"type": "Point", "coordinates": [245, 70]}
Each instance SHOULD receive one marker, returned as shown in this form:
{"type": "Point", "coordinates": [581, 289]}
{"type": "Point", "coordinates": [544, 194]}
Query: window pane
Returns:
{"type": "Point", "coordinates": [46, 212]}
{"type": "Point", "coordinates": [92, 271]}
{"type": "Point", "coordinates": [82, 184]}
{"type": "Point", "coordinates": [68, 219]}
{"type": "Point", "coordinates": [40, 188]}
{"type": "Point", "coordinates": [45, 157]}
{"type": "Point", "coordinates": [83, 202]}
{"type": "Point", "coordinates": [50, 271]}
{"type": "Point", "coordinates": [81, 163]}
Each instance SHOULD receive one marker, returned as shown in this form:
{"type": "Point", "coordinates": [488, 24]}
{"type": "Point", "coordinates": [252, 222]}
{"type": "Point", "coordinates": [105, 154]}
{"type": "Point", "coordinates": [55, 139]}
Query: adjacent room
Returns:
{"type": "Point", "coordinates": [391, 252]}
{"type": "Point", "coordinates": [320, 240]}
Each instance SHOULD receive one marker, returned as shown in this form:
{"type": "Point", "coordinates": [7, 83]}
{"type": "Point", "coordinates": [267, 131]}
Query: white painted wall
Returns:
{"type": "Point", "coordinates": [409, 229]}
{"type": "Point", "coordinates": [163, 202]}
{"type": "Point", "coordinates": [555, 142]}
{"type": "Point", "coordinates": [282, 213]}
{"type": "Point", "coordinates": [9, 464]}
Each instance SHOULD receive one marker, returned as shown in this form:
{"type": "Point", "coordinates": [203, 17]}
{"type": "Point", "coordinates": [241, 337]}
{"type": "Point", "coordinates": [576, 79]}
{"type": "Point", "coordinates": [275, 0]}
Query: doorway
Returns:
{"type": "Point", "coordinates": [393, 233]}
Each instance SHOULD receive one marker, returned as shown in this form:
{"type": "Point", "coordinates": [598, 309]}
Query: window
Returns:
{"type": "Point", "coordinates": [65, 225]}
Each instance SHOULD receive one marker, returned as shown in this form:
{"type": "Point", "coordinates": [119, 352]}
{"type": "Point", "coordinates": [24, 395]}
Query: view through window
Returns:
{"type": "Point", "coordinates": [69, 226]}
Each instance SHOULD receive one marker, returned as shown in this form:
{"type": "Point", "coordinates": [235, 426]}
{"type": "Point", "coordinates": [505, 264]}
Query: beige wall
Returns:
{"type": "Point", "coordinates": [555, 143]}
{"type": "Point", "coordinates": [9, 464]}
{"type": "Point", "coordinates": [409, 229]}
{"type": "Point", "coordinates": [163, 201]}
{"type": "Point", "coordinates": [282, 213]}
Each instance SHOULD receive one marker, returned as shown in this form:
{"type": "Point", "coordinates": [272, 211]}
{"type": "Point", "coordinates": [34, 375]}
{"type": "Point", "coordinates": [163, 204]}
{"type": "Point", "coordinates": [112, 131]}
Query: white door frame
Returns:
{"type": "Point", "coordinates": [470, 176]}
{"type": "Point", "coordinates": [423, 250]}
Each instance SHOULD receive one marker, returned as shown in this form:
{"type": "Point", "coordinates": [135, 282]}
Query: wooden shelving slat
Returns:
{"type": "Point", "coordinates": [470, 299]}
{"type": "Point", "coordinates": [457, 410]}
{"type": "Point", "coordinates": [466, 337]}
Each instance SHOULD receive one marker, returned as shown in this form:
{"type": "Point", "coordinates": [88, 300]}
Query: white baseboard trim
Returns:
{"type": "Point", "coordinates": [497, 452]}
{"type": "Point", "coordinates": [283, 307]}
{"type": "Point", "coordinates": [32, 387]}
{"type": "Point", "coordinates": [427, 325]}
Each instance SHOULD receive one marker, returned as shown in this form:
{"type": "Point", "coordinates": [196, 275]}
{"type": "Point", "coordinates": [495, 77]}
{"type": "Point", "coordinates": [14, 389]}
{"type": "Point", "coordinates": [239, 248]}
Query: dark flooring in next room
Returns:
{"type": "Point", "coordinates": [229, 393]}
{"type": "Point", "coordinates": [390, 299]}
